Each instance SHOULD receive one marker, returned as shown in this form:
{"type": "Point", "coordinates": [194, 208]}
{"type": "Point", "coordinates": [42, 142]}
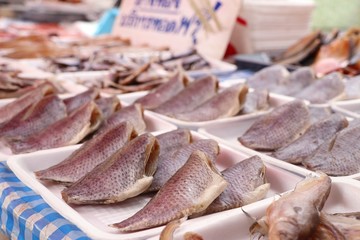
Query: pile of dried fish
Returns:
{"type": "Point", "coordinates": [299, 215]}
{"type": "Point", "coordinates": [325, 53]}
{"type": "Point", "coordinates": [300, 83]}
{"type": "Point", "coordinates": [327, 145]}
{"type": "Point", "coordinates": [169, 164]}
{"type": "Point", "coordinates": [41, 120]}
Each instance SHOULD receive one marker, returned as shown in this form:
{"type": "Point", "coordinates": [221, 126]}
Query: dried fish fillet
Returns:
{"type": "Point", "coordinates": [108, 105]}
{"type": "Point", "coordinates": [319, 113]}
{"type": "Point", "coordinates": [257, 100]}
{"type": "Point", "coordinates": [224, 104]}
{"type": "Point", "coordinates": [270, 78]}
{"type": "Point", "coordinates": [315, 135]}
{"type": "Point", "coordinates": [89, 155]}
{"type": "Point", "coordinates": [189, 98]}
{"type": "Point", "coordinates": [323, 90]}
{"type": "Point", "coordinates": [338, 156]}
{"type": "Point", "coordinates": [125, 174]}
{"type": "Point", "coordinates": [169, 163]}
{"type": "Point", "coordinates": [10, 110]}
{"type": "Point", "coordinates": [173, 140]}
{"type": "Point", "coordinates": [283, 125]}
{"type": "Point", "coordinates": [189, 191]}
{"type": "Point", "coordinates": [296, 214]}
{"type": "Point", "coordinates": [132, 113]}
{"type": "Point", "coordinates": [164, 92]}
{"type": "Point", "coordinates": [247, 184]}
{"type": "Point", "coordinates": [66, 131]}
{"type": "Point", "coordinates": [300, 79]}
{"type": "Point", "coordinates": [42, 114]}
{"type": "Point", "coordinates": [72, 103]}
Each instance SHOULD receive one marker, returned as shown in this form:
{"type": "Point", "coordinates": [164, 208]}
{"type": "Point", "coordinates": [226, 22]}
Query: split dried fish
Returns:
{"type": "Point", "coordinates": [285, 123]}
{"type": "Point", "coordinates": [189, 98]}
{"type": "Point", "coordinates": [257, 100]}
{"type": "Point", "coordinates": [125, 174]}
{"type": "Point", "coordinates": [227, 103]}
{"type": "Point", "coordinates": [319, 113]}
{"type": "Point", "coordinates": [173, 140]}
{"type": "Point", "coordinates": [315, 135]}
{"type": "Point", "coordinates": [247, 184]}
{"type": "Point", "coordinates": [296, 214]}
{"type": "Point", "coordinates": [73, 103]}
{"type": "Point", "coordinates": [108, 105]}
{"type": "Point", "coordinates": [67, 131]}
{"type": "Point", "coordinates": [89, 155]}
{"type": "Point", "coordinates": [269, 78]}
{"type": "Point", "coordinates": [189, 191]}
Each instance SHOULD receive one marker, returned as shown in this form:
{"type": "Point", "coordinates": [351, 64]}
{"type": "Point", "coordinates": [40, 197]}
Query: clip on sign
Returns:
{"type": "Point", "coordinates": [178, 24]}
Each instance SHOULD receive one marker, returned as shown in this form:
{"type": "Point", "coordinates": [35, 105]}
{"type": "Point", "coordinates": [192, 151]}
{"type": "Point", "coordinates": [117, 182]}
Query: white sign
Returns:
{"type": "Point", "coordinates": [179, 24]}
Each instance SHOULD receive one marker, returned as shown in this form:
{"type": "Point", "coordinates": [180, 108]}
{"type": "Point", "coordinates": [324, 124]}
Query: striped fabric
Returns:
{"type": "Point", "coordinates": [25, 215]}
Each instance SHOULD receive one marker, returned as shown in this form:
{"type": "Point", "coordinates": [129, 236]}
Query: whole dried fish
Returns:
{"type": "Point", "coordinates": [108, 105]}
{"type": "Point", "coordinates": [173, 161]}
{"type": "Point", "coordinates": [257, 100]}
{"type": "Point", "coordinates": [89, 155]}
{"type": "Point", "coordinates": [132, 113]}
{"type": "Point", "coordinates": [164, 92]}
{"type": "Point", "coordinates": [173, 140]}
{"type": "Point", "coordinates": [270, 78]}
{"type": "Point", "coordinates": [189, 191]}
{"type": "Point", "coordinates": [323, 90]}
{"type": "Point", "coordinates": [285, 123]}
{"type": "Point", "coordinates": [300, 79]}
{"type": "Point", "coordinates": [11, 109]}
{"type": "Point", "coordinates": [247, 184]}
{"type": "Point", "coordinates": [296, 214]}
{"type": "Point", "coordinates": [42, 114]}
{"type": "Point", "coordinates": [314, 136]}
{"type": "Point", "coordinates": [125, 174]}
{"type": "Point", "coordinates": [338, 156]}
{"type": "Point", "coordinates": [224, 104]}
{"type": "Point", "coordinates": [72, 103]}
{"type": "Point", "coordinates": [67, 131]}
{"type": "Point", "coordinates": [189, 98]}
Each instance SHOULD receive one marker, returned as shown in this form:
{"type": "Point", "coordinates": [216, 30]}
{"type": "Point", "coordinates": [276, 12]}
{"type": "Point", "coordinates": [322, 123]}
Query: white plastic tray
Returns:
{"type": "Point", "coordinates": [229, 132]}
{"type": "Point", "coordinates": [349, 108]}
{"type": "Point", "coordinates": [234, 225]}
{"type": "Point", "coordinates": [93, 220]}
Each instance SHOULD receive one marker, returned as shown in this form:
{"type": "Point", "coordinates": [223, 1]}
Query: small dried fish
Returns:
{"type": "Point", "coordinates": [296, 214]}
{"type": "Point", "coordinates": [189, 98]}
{"type": "Point", "coordinates": [164, 92]}
{"type": "Point", "coordinates": [89, 155]}
{"type": "Point", "coordinates": [108, 105]}
{"type": "Point", "coordinates": [314, 136]}
{"type": "Point", "coordinates": [224, 104]}
{"type": "Point", "coordinates": [300, 79]}
{"type": "Point", "coordinates": [67, 131]}
{"type": "Point", "coordinates": [352, 88]}
{"type": "Point", "coordinates": [247, 184]}
{"type": "Point", "coordinates": [189, 191]}
{"type": "Point", "coordinates": [257, 100]}
{"type": "Point", "coordinates": [72, 103]}
{"type": "Point", "coordinates": [285, 123]}
{"type": "Point", "coordinates": [125, 174]}
{"type": "Point", "coordinates": [270, 78]}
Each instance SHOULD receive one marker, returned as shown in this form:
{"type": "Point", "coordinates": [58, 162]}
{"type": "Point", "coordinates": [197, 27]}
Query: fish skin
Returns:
{"type": "Point", "coordinates": [173, 139]}
{"type": "Point", "coordinates": [40, 115]}
{"type": "Point", "coordinates": [66, 131]}
{"type": "Point", "coordinates": [164, 92]}
{"type": "Point", "coordinates": [257, 100]}
{"type": "Point", "coordinates": [168, 164]}
{"type": "Point", "coordinates": [296, 214]}
{"type": "Point", "coordinates": [189, 98]}
{"type": "Point", "coordinates": [125, 174]}
{"type": "Point", "coordinates": [270, 78]}
{"type": "Point", "coordinates": [133, 113]}
{"type": "Point", "coordinates": [108, 105]}
{"type": "Point", "coordinates": [247, 184]}
{"type": "Point", "coordinates": [89, 155]}
{"type": "Point", "coordinates": [323, 90]}
{"type": "Point", "coordinates": [227, 103]}
{"type": "Point", "coordinates": [10, 110]}
{"type": "Point", "coordinates": [337, 156]}
{"type": "Point", "coordinates": [74, 102]}
{"type": "Point", "coordinates": [189, 191]}
{"type": "Point", "coordinates": [285, 123]}
{"type": "Point", "coordinates": [315, 135]}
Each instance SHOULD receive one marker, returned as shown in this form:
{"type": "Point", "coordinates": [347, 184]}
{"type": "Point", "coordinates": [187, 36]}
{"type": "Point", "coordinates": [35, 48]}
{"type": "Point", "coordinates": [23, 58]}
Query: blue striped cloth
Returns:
{"type": "Point", "coordinates": [25, 215]}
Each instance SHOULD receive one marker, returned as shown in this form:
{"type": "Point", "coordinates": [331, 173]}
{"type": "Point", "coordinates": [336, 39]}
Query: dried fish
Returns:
{"type": "Point", "coordinates": [189, 191]}
{"type": "Point", "coordinates": [257, 100]}
{"type": "Point", "coordinates": [108, 105]}
{"type": "Point", "coordinates": [352, 88]}
{"type": "Point", "coordinates": [315, 135]}
{"type": "Point", "coordinates": [125, 174]}
{"type": "Point", "coordinates": [192, 96]}
{"type": "Point", "coordinates": [296, 214]}
{"type": "Point", "coordinates": [319, 113]}
{"type": "Point", "coordinates": [285, 123]}
{"type": "Point", "coordinates": [72, 103]}
{"type": "Point", "coordinates": [224, 104]}
{"type": "Point", "coordinates": [173, 140]}
{"type": "Point", "coordinates": [247, 184]}
{"type": "Point", "coordinates": [299, 79]}
{"type": "Point", "coordinates": [270, 78]}
{"type": "Point", "coordinates": [89, 155]}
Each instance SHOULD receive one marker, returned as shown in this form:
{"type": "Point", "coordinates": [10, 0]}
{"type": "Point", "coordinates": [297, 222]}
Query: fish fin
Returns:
{"type": "Point", "coordinates": [169, 229]}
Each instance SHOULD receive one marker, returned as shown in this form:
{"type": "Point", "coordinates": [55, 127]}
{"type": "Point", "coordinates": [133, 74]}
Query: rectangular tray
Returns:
{"type": "Point", "coordinates": [93, 220]}
{"type": "Point", "coordinates": [234, 225]}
